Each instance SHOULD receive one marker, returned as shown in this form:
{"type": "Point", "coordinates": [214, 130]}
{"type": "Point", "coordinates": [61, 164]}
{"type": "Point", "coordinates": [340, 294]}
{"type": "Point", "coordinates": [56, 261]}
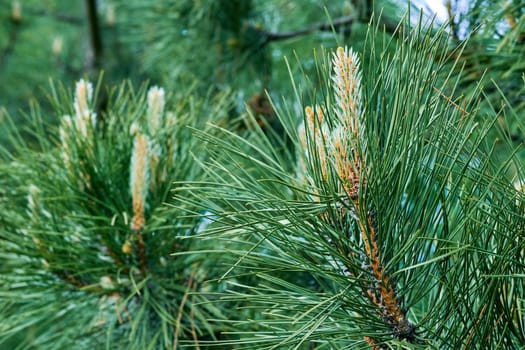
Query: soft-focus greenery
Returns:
{"type": "Point", "coordinates": [229, 45]}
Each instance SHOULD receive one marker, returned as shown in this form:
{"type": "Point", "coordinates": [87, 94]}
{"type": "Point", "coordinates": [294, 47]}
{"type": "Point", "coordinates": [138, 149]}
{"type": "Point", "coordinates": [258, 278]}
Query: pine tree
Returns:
{"type": "Point", "coordinates": [379, 205]}
{"type": "Point", "coordinates": [390, 200]}
{"type": "Point", "coordinates": [87, 234]}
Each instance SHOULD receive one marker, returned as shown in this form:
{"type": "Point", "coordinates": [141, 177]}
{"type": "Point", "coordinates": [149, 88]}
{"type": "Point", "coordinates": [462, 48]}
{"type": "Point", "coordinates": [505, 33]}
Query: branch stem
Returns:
{"type": "Point", "coordinates": [94, 31]}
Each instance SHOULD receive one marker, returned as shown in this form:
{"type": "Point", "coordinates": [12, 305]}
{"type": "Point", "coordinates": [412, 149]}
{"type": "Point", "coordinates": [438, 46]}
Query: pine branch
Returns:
{"type": "Point", "coordinates": [95, 34]}
{"type": "Point", "coordinates": [341, 24]}
{"type": "Point", "coordinates": [338, 24]}
{"type": "Point", "coordinates": [341, 147]}
{"type": "Point", "coordinates": [142, 253]}
{"type": "Point", "coordinates": [394, 203]}
{"type": "Point", "coordinates": [72, 198]}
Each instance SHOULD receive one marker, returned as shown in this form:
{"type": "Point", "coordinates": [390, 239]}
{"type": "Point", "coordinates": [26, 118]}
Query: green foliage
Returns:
{"type": "Point", "coordinates": [374, 208]}
{"type": "Point", "coordinates": [493, 34]}
{"type": "Point", "coordinates": [87, 235]}
{"type": "Point", "coordinates": [423, 251]}
{"type": "Point", "coordinates": [227, 41]}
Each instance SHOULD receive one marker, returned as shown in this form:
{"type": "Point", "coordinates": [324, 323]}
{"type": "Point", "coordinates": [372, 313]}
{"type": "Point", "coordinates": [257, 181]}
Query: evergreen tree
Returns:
{"type": "Point", "coordinates": [390, 200]}
{"type": "Point", "coordinates": [379, 205]}
{"type": "Point", "coordinates": [86, 232]}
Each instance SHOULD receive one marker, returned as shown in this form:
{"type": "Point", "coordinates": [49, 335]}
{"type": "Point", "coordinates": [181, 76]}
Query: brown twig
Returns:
{"type": "Point", "coordinates": [463, 111]}
{"type": "Point", "coordinates": [95, 35]}
{"type": "Point", "coordinates": [64, 275]}
{"type": "Point", "coordinates": [190, 286]}
{"type": "Point", "coordinates": [474, 328]}
{"type": "Point", "coordinates": [116, 258]}
{"type": "Point", "coordinates": [124, 308]}
{"type": "Point", "coordinates": [372, 343]}
{"type": "Point", "coordinates": [341, 24]}
{"type": "Point", "coordinates": [336, 25]}
{"type": "Point", "coordinates": [382, 291]}
{"type": "Point", "coordinates": [193, 330]}
{"type": "Point", "coordinates": [141, 247]}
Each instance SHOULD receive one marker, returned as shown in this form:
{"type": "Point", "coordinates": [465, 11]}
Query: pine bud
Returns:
{"type": "Point", "coordinates": [110, 15]}
{"type": "Point", "coordinates": [83, 115]}
{"type": "Point", "coordinates": [139, 180]}
{"type": "Point", "coordinates": [106, 283]}
{"type": "Point", "coordinates": [32, 200]}
{"type": "Point", "coordinates": [155, 108]}
{"type": "Point", "coordinates": [16, 11]}
{"type": "Point", "coordinates": [57, 45]}
{"type": "Point", "coordinates": [347, 87]}
{"type": "Point", "coordinates": [126, 247]}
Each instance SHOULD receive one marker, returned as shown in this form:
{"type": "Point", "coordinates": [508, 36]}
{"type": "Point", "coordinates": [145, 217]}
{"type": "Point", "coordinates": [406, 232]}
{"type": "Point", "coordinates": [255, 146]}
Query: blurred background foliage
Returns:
{"type": "Point", "coordinates": [236, 45]}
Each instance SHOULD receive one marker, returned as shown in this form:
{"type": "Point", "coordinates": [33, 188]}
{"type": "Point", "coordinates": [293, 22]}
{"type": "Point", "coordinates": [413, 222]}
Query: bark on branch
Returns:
{"type": "Point", "coordinates": [337, 24]}
{"type": "Point", "coordinates": [95, 35]}
{"type": "Point", "coordinates": [341, 24]}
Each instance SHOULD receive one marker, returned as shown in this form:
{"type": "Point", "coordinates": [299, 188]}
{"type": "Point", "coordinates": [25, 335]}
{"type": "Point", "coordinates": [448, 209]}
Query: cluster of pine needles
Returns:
{"type": "Point", "coordinates": [380, 219]}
